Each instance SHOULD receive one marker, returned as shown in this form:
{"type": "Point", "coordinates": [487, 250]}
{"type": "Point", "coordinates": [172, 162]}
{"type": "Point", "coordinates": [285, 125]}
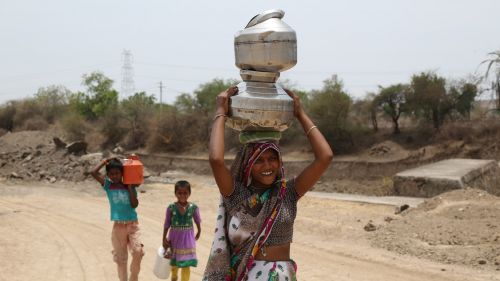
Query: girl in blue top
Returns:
{"type": "Point", "coordinates": [123, 201]}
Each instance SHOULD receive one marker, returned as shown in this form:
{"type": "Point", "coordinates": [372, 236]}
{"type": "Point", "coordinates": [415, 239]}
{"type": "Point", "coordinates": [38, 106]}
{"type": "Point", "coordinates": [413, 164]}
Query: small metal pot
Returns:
{"type": "Point", "coordinates": [266, 44]}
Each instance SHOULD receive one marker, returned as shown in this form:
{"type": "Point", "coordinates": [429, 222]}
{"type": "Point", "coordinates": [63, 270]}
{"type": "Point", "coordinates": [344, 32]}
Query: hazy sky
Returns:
{"type": "Point", "coordinates": [186, 43]}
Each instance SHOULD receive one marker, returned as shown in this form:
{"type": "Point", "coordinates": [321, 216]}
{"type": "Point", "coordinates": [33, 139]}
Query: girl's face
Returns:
{"type": "Point", "coordinates": [115, 175]}
{"type": "Point", "coordinates": [265, 169]}
{"type": "Point", "coordinates": [182, 194]}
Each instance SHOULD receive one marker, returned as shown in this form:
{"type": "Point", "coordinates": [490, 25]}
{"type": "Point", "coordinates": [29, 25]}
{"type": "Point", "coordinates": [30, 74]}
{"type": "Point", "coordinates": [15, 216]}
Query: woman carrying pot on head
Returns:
{"type": "Point", "coordinates": [254, 225]}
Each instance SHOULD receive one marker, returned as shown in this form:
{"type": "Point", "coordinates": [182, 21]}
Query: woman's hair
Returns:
{"type": "Point", "coordinates": [114, 163]}
{"type": "Point", "coordinates": [182, 184]}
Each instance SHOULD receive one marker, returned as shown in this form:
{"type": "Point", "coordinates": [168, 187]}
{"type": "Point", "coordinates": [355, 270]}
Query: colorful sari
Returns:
{"type": "Point", "coordinates": [231, 262]}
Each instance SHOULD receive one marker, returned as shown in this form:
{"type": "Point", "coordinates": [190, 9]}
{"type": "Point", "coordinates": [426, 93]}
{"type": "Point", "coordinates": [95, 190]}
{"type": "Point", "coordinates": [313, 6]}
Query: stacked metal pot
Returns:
{"type": "Point", "coordinates": [263, 49]}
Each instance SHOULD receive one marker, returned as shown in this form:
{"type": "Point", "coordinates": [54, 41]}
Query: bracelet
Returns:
{"type": "Point", "coordinates": [219, 115]}
{"type": "Point", "coordinates": [310, 129]}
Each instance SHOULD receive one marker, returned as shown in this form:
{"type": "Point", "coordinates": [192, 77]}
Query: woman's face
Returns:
{"type": "Point", "coordinates": [265, 169]}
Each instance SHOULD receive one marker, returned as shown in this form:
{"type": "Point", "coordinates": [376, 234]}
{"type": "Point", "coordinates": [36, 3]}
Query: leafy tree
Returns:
{"type": "Point", "coordinates": [206, 93]}
{"type": "Point", "coordinates": [137, 109]}
{"type": "Point", "coordinates": [329, 107]}
{"type": "Point", "coordinates": [53, 101]}
{"type": "Point", "coordinates": [428, 98]}
{"type": "Point", "coordinates": [99, 98]}
{"type": "Point", "coordinates": [392, 101]}
{"type": "Point", "coordinates": [185, 103]}
{"type": "Point", "coordinates": [361, 113]}
{"type": "Point", "coordinates": [494, 60]}
{"type": "Point", "coordinates": [463, 95]}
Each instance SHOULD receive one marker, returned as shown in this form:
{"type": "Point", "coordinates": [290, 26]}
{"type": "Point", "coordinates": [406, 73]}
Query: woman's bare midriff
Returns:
{"type": "Point", "coordinates": [274, 253]}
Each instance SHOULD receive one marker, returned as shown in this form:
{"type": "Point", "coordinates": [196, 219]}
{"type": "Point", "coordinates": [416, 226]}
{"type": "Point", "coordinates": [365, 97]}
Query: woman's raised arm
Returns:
{"type": "Point", "coordinates": [323, 154]}
{"type": "Point", "coordinates": [222, 175]}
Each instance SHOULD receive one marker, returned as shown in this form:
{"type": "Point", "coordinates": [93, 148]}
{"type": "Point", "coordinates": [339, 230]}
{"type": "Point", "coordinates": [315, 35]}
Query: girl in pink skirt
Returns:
{"type": "Point", "coordinates": [181, 239]}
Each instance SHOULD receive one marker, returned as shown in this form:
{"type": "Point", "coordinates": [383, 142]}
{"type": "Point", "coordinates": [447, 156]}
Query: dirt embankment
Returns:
{"type": "Point", "coordinates": [456, 227]}
{"type": "Point", "coordinates": [33, 156]}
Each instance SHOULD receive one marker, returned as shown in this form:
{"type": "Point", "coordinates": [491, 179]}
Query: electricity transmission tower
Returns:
{"type": "Point", "coordinates": [128, 87]}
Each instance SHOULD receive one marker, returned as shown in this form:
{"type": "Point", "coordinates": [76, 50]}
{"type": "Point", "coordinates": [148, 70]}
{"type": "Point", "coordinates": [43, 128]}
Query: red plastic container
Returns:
{"type": "Point", "coordinates": [133, 170]}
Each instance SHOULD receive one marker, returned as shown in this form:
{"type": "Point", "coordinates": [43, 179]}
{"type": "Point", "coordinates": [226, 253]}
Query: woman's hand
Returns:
{"type": "Point", "coordinates": [222, 100]}
{"type": "Point", "coordinates": [197, 236]}
{"type": "Point", "coordinates": [297, 106]}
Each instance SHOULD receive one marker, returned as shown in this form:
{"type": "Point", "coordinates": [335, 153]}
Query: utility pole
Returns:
{"type": "Point", "coordinates": [161, 96]}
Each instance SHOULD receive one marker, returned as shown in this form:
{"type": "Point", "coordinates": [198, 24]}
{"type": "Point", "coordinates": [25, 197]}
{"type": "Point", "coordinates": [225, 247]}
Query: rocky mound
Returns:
{"type": "Point", "coordinates": [33, 155]}
{"type": "Point", "coordinates": [387, 150]}
{"type": "Point", "coordinates": [458, 227]}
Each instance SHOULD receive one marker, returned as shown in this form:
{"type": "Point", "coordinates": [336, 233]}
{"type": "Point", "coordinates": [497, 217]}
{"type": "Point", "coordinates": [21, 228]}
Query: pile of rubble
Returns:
{"type": "Point", "coordinates": [36, 155]}
{"type": "Point", "coordinates": [383, 148]}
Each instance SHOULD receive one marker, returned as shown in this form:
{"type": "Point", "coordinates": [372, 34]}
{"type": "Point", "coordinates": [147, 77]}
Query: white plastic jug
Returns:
{"type": "Point", "coordinates": [162, 265]}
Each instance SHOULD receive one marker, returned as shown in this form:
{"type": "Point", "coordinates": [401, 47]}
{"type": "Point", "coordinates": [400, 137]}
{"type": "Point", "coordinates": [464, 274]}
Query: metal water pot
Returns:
{"type": "Point", "coordinates": [264, 48]}
{"type": "Point", "coordinates": [260, 107]}
{"type": "Point", "coordinates": [266, 44]}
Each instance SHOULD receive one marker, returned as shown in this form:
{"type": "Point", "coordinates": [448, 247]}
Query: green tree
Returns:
{"type": "Point", "coordinates": [99, 98]}
{"type": "Point", "coordinates": [185, 103]}
{"type": "Point", "coordinates": [206, 93]}
{"type": "Point", "coordinates": [463, 94]}
{"type": "Point", "coordinates": [392, 101]}
{"type": "Point", "coordinates": [137, 110]}
{"type": "Point", "coordinates": [428, 98]}
{"type": "Point", "coordinates": [53, 101]}
{"type": "Point", "coordinates": [329, 107]}
{"type": "Point", "coordinates": [360, 112]}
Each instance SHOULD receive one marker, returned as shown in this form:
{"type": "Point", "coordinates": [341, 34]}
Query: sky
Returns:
{"type": "Point", "coordinates": [187, 43]}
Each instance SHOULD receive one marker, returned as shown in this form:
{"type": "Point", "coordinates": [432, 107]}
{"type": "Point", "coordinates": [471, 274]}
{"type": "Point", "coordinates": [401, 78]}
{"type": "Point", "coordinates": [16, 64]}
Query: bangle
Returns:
{"type": "Point", "coordinates": [219, 115]}
{"type": "Point", "coordinates": [310, 129]}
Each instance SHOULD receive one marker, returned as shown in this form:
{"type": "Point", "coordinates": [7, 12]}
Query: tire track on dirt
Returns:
{"type": "Point", "coordinates": [34, 220]}
{"type": "Point", "coordinates": [67, 229]}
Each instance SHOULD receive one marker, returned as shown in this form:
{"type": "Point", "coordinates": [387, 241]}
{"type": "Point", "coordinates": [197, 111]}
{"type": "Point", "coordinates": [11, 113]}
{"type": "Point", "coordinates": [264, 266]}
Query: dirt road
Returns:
{"type": "Point", "coordinates": [62, 232]}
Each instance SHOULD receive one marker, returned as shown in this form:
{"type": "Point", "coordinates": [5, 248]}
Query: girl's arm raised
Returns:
{"type": "Point", "coordinates": [322, 152]}
{"type": "Point", "coordinates": [221, 173]}
{"type": "Point", "coordinates": [95, 172]}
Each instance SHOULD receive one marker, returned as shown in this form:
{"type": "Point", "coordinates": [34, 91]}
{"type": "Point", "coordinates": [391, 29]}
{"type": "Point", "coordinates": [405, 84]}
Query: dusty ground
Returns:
{"type": "Point", "coordinates": [62, 232]}
{"type": "Point", "coordinates": [54, 226]}
{"type": "Point", "coordinates": [459, 227]}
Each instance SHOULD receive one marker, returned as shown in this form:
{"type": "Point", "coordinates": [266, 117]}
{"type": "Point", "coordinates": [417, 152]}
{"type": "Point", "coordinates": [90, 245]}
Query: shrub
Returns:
{"type": "Point", "coordinates": [75, 126]}
{"type": "Point", "coordinates": [35, 123]}
{"type": "Point", "coordinates": [177, 132]}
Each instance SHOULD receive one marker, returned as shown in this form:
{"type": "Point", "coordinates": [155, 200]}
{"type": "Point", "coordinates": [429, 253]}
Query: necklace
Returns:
{"type": "Point", "coordinates": [257, 198]}
{"type": "Point", "coordinates": [182, 206]}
